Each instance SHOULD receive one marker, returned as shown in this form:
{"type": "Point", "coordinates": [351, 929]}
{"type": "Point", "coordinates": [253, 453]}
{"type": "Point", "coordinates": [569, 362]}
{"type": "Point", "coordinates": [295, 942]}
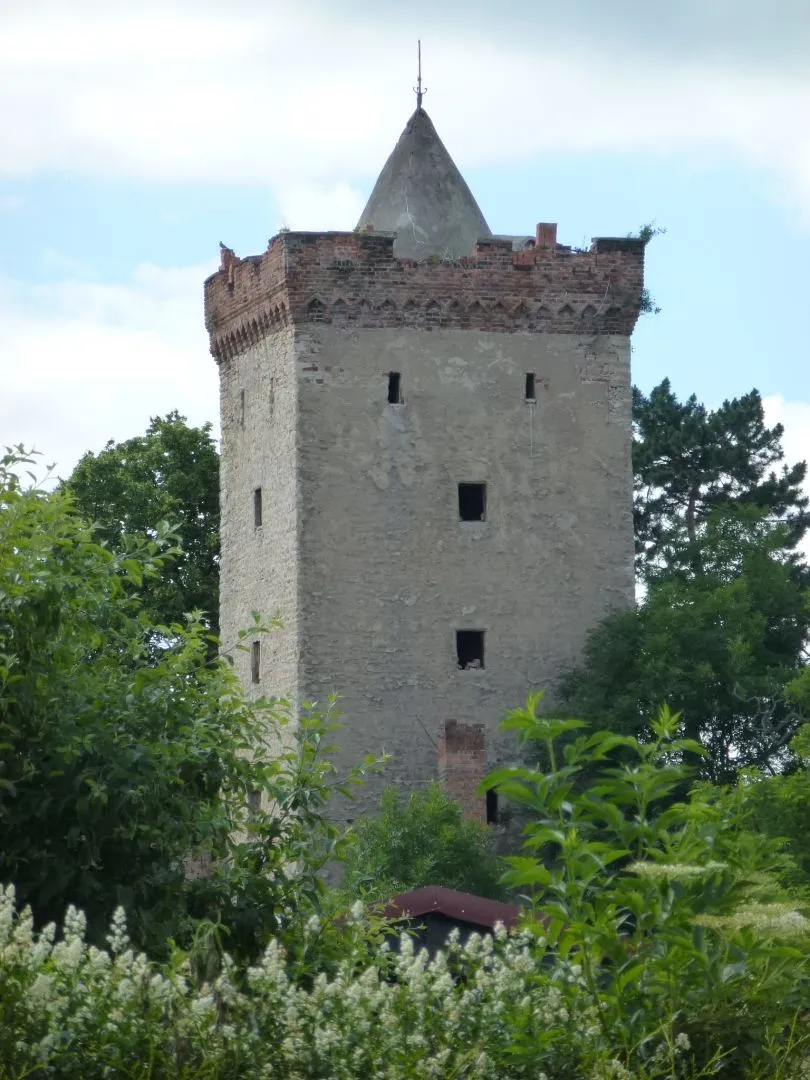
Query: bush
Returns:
{"type": "Point", "coordinates": [68, 1010]}
{"type": "Point", "coordinates": [421, 839]}
{"type": "Point", "coordinates": [672, 911]}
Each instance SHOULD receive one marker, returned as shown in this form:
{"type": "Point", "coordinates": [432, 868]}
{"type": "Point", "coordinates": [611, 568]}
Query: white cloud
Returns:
{"type": "Point", "coordinates": [317, 206]}
{"type": "Point", "coordinates": [795, 418]}
{"type": "Point", "coordinates": [92, 362]}
{"type": "Point", "coordinates": [307, 94]}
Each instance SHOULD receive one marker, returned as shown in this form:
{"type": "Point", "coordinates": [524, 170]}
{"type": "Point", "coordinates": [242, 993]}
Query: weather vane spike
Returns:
{"type": "Point", "coordinates": [418, 88]}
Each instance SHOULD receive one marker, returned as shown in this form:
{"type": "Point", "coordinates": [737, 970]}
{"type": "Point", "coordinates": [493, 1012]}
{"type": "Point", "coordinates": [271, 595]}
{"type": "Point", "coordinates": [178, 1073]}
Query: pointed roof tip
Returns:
{"type": "Point", "coordinates": [421, 195]}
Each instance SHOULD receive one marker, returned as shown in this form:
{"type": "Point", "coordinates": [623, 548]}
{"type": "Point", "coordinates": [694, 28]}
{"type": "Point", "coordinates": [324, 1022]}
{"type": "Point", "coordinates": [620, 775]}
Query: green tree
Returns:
{"type": "Point", "coordinates": [170, 474]}
{"type": "Point", "coordinates": [720, 648]}
{"type": "Point", "coordinates": [131, 776]}
{"type": "Point", "coordinates": [689, 461]}
{"type": "Point", "coordinates": [418, 840]}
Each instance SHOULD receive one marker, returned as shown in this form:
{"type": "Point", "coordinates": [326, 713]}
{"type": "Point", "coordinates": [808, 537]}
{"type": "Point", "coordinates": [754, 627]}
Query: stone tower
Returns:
{"type": "Point", "coordinates": [426, 473]}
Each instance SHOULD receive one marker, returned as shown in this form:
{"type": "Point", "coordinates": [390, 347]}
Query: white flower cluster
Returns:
{"type": "Point", "coordinates": [489, 1008]}
{"type": "Point", "coordinates": [674, 871]}
{"type": "Point", "coordinates": [73, 1009]}
{"type": "Point", "coordinates": [778, 920]}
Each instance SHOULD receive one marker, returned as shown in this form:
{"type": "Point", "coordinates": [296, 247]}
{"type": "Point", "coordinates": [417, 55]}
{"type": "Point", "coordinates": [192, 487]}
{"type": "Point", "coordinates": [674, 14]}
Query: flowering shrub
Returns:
{"type": "Point", "coordinates": [504, 1008]}
{"type": "Point", "coordinates": [72, 1010]}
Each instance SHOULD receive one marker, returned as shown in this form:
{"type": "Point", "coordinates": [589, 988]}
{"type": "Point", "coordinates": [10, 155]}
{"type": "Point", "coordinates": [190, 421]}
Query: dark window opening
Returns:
{"type": "Point", "coordinates": [492, 807]}
{"type": "Point", "coordinates": [394, 388]}
{"type": "Point", "coordinates": [241, 408]}
{"type": "Point", "coordinates": [470, 649]}
{"type": "Point", "coordinates": [255, 661]}
{"type": "Point", "coordinates": [254, 801]}
{"type": "Point", "coordinates": [257, 507]}
{"type": "Point", "coordinates": [530, 393]}
{"type": "Point", "coordinates": [472, 502]}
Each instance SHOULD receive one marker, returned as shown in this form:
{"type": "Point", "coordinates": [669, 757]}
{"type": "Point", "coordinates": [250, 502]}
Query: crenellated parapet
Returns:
{"type": "Point", "coordinates": [353, 280]}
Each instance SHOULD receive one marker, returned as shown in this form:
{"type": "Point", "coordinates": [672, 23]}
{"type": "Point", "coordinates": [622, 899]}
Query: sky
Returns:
{"type": "Point", "coordinates": [134, 136]}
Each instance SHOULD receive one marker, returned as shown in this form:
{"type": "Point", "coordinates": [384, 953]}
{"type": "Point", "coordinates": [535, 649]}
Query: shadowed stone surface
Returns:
{"type": "Point", "coordinates": [421, 196]}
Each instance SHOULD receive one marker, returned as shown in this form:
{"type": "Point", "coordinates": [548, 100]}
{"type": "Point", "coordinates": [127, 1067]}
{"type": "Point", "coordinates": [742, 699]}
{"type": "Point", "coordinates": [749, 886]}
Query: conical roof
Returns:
{"type": "Point", "coordinates": [422, 197]}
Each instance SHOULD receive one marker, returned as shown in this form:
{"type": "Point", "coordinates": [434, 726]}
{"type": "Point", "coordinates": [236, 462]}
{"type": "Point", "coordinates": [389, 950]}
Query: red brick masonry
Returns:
{"type": "Point", "coordinates": [462, 762]}
{"type": "Point", "coordinates": [353, 280]}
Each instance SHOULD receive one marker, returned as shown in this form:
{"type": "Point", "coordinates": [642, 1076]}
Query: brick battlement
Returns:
{"type": "Point", "coordinates": [354, 280]}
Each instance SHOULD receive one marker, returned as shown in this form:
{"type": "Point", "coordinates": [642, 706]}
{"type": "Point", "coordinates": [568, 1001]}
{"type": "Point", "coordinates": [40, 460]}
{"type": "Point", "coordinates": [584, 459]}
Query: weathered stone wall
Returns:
{"type": "Point", "coordinates": [259, 571]}
{"type": "Point", "coordinates": [361, 550]}
{"type": "Point", "coordinates": [388, 573]}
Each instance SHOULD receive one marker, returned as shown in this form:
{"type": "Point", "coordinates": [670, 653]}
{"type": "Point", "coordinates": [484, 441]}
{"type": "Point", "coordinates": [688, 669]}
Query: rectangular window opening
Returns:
{"type": "Point", "coordinates": [530, 391]}
{"type": "Point", "coordinates": [241, 408]}
{"type": "Point", "coordinates": [254, 801]}
{"type": "Point", "coordinates": [394, 388]}
{"type": "Point", "coordinates": [472, 502]}
{"type": "Point", "coordinates": [492, 807]}
{"type": "Point", "coordinates": [257, 507]}
{"type": "Point", "coordinates": [470, 649]}
{"type": "Point", "coordinates": [255, 661]}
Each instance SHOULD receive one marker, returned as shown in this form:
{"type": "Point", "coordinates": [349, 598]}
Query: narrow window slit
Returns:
{"type": "Point", "coordinates": [470, 649]}
{"type": "Point", "coordinates": [241, 408]}
{"type": "Point", "coordinates": [256, 661]}
{"type": "Point", "coordinates": [472, 502]}
{"type": "Point", "coordinates": [492, 807]}
{"type": "Point", "coordinates": [394, 388]}
{"type": "Point", "coordinates": [530, 391]}
{"type": "Point", "coordinates": [257, 507]}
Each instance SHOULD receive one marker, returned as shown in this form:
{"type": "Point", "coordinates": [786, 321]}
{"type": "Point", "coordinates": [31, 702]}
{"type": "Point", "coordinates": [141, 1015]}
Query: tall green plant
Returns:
{"type": "Point", "coordinates": [668, 912]}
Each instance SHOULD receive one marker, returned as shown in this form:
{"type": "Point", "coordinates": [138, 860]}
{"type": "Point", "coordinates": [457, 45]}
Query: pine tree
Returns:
{"type": "Point", "coordinates": [689, 461]}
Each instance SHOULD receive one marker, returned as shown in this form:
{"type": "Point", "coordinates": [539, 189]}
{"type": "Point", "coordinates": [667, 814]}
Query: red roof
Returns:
{"type": "Point", "coordinates": [463, 907]}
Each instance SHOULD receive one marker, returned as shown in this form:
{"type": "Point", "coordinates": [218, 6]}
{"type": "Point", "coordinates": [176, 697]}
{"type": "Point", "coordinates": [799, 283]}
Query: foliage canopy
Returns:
{"type": "Point", "coordinates": [170, 474]}
{"type": "Point", "coordinates": [421, 839]}
{"type": "Point", "coordinates": [689, 461]}
{"type": "Point", "coordinates": [123, 766]}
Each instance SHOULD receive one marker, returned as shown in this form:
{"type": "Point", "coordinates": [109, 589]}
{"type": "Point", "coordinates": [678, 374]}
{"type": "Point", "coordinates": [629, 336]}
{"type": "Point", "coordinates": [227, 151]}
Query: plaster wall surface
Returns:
{"type": "Point", "coordinates": [387, 573]}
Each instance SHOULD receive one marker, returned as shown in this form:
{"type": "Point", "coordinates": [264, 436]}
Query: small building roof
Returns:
{"type": "Point", "coordinates": [458, 906]}
{"type": "Point", "coordinates": [422, 197]}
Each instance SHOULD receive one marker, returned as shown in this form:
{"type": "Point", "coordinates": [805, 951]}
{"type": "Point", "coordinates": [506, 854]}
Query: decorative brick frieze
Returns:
{"type": "Point", "coordinates": [353, 280]}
